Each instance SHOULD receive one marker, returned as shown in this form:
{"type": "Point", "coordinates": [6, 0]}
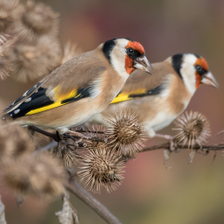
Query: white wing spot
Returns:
{"type": "Point", "coordinates": [17, 111]}
{"type": "Point", "coordinates": [28, 100]}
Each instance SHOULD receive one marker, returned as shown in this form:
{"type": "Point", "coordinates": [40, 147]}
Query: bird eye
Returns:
{"type": "Point", "coordinates": [130, 50]}
{"type": "Point", "coordinates": [132, 53]}
{"type": "Point", "coordinates": [201, 71]}
{"type": "Point", "coordinates": [198, 68]}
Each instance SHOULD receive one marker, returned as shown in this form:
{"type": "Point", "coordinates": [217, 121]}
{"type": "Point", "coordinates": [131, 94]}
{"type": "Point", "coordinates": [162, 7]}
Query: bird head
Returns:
{"type": "Point", "coordinates": [126, 55]}
{"type": "Point", "coordinates": [193, 69]}
{"type": "Point", "coordinates": [202, 74]}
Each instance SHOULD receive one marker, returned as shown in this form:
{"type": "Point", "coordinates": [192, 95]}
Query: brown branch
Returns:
{"type": "Point", "coordinates": [204, 148]}
{"type": "Point", "coordinates": [90, 131]}
{"type": "Point", "coordinates": [88, 199]}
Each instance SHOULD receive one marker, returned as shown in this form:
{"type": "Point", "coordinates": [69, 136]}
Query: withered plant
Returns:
{"type": "Point", "coordinates": [40, 163]}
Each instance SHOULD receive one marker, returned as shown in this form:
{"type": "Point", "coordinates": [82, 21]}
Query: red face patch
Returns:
{"type": "Point", "coordinates": [129, 65]}
{"type": "Point", "coordinates": [203, 63]}
{"type": "Point", "coordinates": [136, 46]}
{"type": "Point", "coordinates": [128, 60]}
{"type": "Point", "coordinates": [198, 80]}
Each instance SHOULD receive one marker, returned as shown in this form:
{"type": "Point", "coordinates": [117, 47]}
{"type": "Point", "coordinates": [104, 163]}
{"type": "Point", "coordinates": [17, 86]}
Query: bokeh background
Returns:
{"type": "Point", "coordinates": [178, 193]}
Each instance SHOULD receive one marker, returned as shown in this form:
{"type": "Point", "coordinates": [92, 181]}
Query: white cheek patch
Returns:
{"type": "Point", "coordinates": [118, 55]}
{"type": "Point", "coordinates": [188, 72]}
{"type": "Point", "coordinates": [118, 60]}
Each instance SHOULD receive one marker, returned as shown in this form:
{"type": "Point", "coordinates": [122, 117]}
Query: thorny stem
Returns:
{"type": "Point", "coordinates": [204, 148]}
{"type": "Point", "coordinates": [88, 199]}
{"type": "Point", "coordinates": [90, 131]}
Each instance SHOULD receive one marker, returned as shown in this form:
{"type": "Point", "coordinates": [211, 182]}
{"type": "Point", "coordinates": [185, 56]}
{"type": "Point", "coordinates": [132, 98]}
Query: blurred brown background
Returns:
{"type": "Point", "coordinates": [150, 193]}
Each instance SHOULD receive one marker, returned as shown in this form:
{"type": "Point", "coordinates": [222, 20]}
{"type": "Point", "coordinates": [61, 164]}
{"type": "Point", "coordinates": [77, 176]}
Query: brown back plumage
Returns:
{"type": "Point", "coordinates": [72, 73]}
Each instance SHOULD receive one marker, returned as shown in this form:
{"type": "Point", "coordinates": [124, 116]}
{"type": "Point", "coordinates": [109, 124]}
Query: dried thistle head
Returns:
{"type": "Point", "coordinates": [4, 72]}
{"type": "Point", "coordinates": [101, 167]}
{"type": "Point", "coordinates": [14, 141]}
{"type": "Point", "coordinates": [70, 51]}
{"type": "Point", "coordinates": [5, 143]}
{"type": "Point", "coordinates": [65, 150]}
{"type": "Point", "coordinates": [97, 133]}
{"type": "Point", "coordinates": [125, 133]}
{"type": "Point", "coordinates": [6, 41]}
{"type": "Point", "coordinates": [33, 61]}
{"type": "Point", "coordinates": [193, 128]}
{"type": "Point", "coordinates": [38, 174]}
{"type": "Point", "coordinates": [36, 20]}
{"type": "Point", "coordinates": [99, 129]}
{"type": "Point", "coordinates": [8, 13]}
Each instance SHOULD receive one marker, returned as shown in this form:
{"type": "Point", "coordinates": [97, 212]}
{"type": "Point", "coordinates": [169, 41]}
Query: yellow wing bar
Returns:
{"type": "Point", "coordinates": [125, 96]}
{"type": "Point", "coordinates": [49, 107]}
{"type": "Point", "coordinates": [59, 98]}
{"type": "Point", "coordinates": [121, 97]}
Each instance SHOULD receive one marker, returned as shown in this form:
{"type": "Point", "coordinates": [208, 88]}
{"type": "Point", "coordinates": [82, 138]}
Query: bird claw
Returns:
{"type": "Point", "coordinates": [171, 142]}
{"type": "Point", "coordinates": [172, 148]}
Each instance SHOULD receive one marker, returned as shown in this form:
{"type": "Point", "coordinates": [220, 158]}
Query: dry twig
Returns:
{"type": "Point", "coordinates": [88, 199]}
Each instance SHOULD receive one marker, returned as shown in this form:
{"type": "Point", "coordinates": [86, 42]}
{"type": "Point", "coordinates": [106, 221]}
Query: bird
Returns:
{"type": "Point", "coordinates": [162, 97]}
{"type": "Point", "coordinates": [80, 88]}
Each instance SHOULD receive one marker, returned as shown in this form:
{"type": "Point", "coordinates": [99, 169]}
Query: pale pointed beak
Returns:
{"type": "Point", "coordinates": [209, 79]}
{"type": "Point", "coordinates": [143, 64]}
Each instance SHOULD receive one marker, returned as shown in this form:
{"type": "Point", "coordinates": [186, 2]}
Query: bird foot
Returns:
{"type": "Point", "coordinates": [32, 129]}
{"type": "Point", "coordinates": [170, 138]}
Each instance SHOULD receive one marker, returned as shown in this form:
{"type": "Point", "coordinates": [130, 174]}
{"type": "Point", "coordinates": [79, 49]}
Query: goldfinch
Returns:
{"type": "Point", "coordinates": [160, 98]}
{"type": "Point", "coordinates": [79, 88]}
